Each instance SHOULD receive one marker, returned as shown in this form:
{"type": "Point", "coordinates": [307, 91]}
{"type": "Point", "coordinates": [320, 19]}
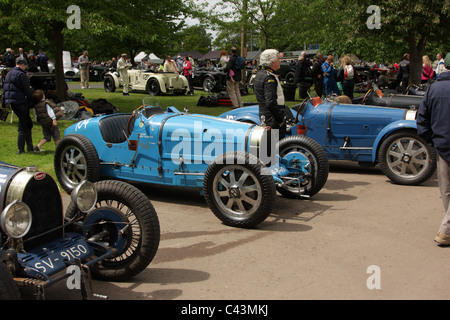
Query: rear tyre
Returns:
{"type": "Point", "coordinates": [405, 158]}
{"type": "Point", "coordinates": [208, 84]}
{"type": "Point", "coordinates": [306, 154]}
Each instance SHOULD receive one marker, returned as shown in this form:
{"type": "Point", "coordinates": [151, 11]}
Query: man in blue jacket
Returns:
{"type": "Point", "coordinates": [433, 120]}
{"type": "Point", "coordinates": [18, 93]}
{"type": "Point", "coordinates": [329, 74]}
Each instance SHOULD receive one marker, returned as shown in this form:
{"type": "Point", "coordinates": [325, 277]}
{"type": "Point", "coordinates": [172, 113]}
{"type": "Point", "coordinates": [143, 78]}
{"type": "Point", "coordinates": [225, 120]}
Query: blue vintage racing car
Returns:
{"type": "Point", "coordinates": [222, 158]}
{"type": "Point", "coordinates": [385, 134]}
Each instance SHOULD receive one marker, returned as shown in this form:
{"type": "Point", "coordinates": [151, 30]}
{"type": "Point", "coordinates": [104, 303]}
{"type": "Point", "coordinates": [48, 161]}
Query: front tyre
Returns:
{"type": "Point", "coordinates": [238, 191]}
{"type": "Point", "coordinates": [405, 158]}
{"type": "Point", "coordinates": [109, 84]}
{"type": "Point", "coordinates": [127, 221]}
{"type": "Point", "coordinates": [75, 161]}
{"type": "Point", "coordinates": [153, 87]}
{"type": "Point", "coordinates": [304, 153]}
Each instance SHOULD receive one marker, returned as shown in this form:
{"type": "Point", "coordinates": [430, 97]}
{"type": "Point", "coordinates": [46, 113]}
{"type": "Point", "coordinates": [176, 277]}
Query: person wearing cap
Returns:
{"type": "Point", "coordinates": [122, 66]}
{"type": "Point", "coordinates": [433, 126]}
{"type": "Point", "coordinates": [17, 92]}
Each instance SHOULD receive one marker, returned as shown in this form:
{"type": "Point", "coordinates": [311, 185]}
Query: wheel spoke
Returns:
{"type": "Point", "coordinates": [242, 179]}
{"type": "Point", "coordinates": [251, 188]}
{"type": "Point", "coordinates": [396, 163]}
{"type": "Point", "coordinates": [240, 205]}
{"type": "Point", "coordinates": [249, 200]}
{"type": "Point", "coordinates": [224, 182]}
{"type": "Point", "coordinates": [421, 162]}
{"type": "Point", "coordinates": [223, 193]}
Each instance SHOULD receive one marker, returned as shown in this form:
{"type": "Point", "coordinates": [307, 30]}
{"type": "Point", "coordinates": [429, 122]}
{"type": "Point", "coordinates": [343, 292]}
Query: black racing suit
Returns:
{"type": "Point", "coordinates": [265, 86]}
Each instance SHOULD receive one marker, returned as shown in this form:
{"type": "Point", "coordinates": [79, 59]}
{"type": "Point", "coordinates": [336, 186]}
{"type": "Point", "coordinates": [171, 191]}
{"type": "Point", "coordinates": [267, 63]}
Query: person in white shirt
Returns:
{"type": "Point", "coordinates": [170, 65]}
{"type": "Point", "coordinates": [122, 66]}
{"type": "Point", "coordinates": [440, 67]}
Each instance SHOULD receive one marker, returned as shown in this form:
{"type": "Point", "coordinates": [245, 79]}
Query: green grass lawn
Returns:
{"type": "Point", "coordinates": [44, 160]}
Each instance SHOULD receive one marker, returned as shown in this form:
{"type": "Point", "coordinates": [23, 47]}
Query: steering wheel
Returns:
{"type": "Point", "coordinates": [366, 96]}
{"type": "Point", "coordinates": [132, 118]}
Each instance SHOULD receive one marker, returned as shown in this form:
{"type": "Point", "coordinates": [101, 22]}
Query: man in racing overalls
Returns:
{"type": "Point", "coordinates": [329, 74]}
{"type": "Point", "coordinates": [269, 94]}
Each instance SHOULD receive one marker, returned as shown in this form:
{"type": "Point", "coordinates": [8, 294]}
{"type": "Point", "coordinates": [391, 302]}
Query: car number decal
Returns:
{"type": "Point", "coordinates": [54, 259]}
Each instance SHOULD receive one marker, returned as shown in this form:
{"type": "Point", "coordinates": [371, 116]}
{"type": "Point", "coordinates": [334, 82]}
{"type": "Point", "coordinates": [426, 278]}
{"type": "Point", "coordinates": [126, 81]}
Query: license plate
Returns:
{"type": "Point", "coordinates": [55, 256]}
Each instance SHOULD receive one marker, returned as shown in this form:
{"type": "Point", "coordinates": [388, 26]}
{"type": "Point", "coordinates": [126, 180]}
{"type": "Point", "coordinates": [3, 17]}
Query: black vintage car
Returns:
{"type": "Point", "coordinates": [97, 73]}
{"type": "Point", "coordinates": [287, 72]}
{"type": "Point", "coordinates": [110, 230]}
{"type": "Point", "coordinates": [211, 79]}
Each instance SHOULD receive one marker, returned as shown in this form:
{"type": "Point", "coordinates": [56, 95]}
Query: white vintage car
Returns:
{"type": "Point", "coordinates": [155, 83]}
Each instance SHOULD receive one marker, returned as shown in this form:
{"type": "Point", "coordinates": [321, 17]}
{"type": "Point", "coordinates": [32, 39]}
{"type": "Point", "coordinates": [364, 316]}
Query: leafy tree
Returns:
{"type": "Point", "coordinates": [193, 38]}
{"type": "Point", "coordinates": [341, 27]}
{"type": "Point", "coordinates": [415, 23]}
{"type": "Point", "coordinates": [116, 25]}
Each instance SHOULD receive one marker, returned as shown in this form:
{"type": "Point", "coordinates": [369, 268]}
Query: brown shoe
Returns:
{"type": "Point", "coordinates": [442, 239]}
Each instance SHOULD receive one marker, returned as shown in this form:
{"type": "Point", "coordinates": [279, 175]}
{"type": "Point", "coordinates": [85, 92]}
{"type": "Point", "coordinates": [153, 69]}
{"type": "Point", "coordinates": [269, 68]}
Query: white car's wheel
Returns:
{"type": "Point", "coordinates": [153, 87]}
{"type": "Point", "coordinates": [109, 84]}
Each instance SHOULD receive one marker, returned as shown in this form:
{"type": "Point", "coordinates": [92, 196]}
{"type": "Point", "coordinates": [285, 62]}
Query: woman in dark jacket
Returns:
{"type": "Point", "coordinates": [18, 93]}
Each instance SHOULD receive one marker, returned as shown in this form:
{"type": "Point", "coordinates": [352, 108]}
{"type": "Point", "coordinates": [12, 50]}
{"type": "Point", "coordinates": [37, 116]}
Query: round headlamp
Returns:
{"type": "Point", "coordinates": [16, 219]}
{"type": "Point", "coordinates": [84, 196]}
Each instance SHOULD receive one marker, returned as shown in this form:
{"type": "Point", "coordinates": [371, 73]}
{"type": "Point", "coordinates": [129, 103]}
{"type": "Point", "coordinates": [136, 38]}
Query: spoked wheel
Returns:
{"type": "Point", "coordinates": [208, 84]}
{"type": "Point", "coordinates": [238, 191]}
{"type": "Point", "coordinates": [75, 161]}
{"type": "Point", "coordinates": [125, 220]}
{"type": "Point", "coordinates": [308, 158]}
{"type": "Point", "coordinates": [407, 159]}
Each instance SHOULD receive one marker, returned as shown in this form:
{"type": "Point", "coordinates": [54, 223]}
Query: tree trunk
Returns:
{"type": "Point", "coordinates": [416, 51]}
{"type": "Point", "coordinates": [61, 85]}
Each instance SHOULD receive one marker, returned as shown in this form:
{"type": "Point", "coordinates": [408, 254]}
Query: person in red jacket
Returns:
{"type": "Point", "coordinates": [427, 69]}
{"type": "Point", "coordinates": [187, 72]}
